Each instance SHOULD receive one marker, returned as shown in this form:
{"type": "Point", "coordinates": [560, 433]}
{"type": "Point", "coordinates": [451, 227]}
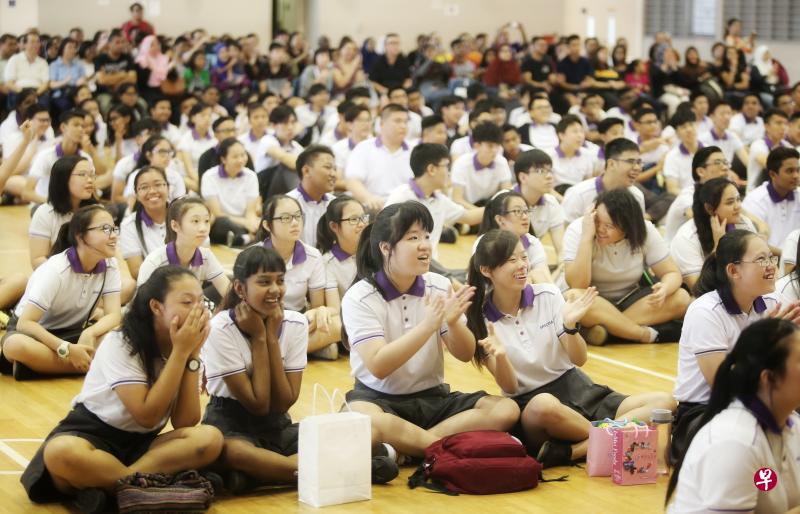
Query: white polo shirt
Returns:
{"type": "Point", "coordinates": [305, 272]}
{"type": "Point", "coordinates": [331, 137]}
{"type": "Point", "coordinates": [379, 171]}
{"type": "Point", "coordinates": [676, 214]}
{"type": "Point", "coordinates": [25, 73]}
{"type": "Point", "coordinates": [542, 136]}
{"type": "Point", "coordinates": [579, 197]}
{"type": "Point", "coordinates": [153, 235]}
{"type": "Point", "coordinates": [312, 210]}
{"type": "Point", "coordinates": [789, 249]}
{"type": "Point", "coordinates": [340, 269]}
{"type": "Point", "coordinates": [782, 215]}
{"type": "Point", "coordinates": [533, 249]}
{"type": "Point", "coordinates": [547, 214]}
{"type": "Point", "coordinates": [125, 167]}
{"type": "Point", "coordinates": [227, 350]}
{"type": "Point", "coordinates": [341, 152]}
{"type": "Point", "coordinates": [204, 264]}
{"type": "Point", "coordinates": [177, 187]}
{"type": "Point", "coordinates": [250, 143]}
{"type": "Point", "coordinates": [195, 145]}
{"type": "Point", "coordinates": [531, 338]}
{"type": "Point", "coordinates": [712, 324]}
{"type": "Point", "coordinates": [719, 467]}
{"type": "Point", "coordinates": [615, 269]}
{"type": "Point", "coordinates": [678, 165]}
{"type": "Point", "coordinates": [232, 193]}
{"type": "Point", "coordinates": [114, 366]}
{"type": "Point", "coordinates": [480, 182]}
{"type": "Point", "coordinates": [728, 142]}
{"type": "Point", "coordinates": [653, 157]}
{"type": "Point", "coordinates": [461, 146]}
{"type": "Point", "coordinates": [46, 223]}
{"type": "Point", "coordinates": [444, 211]}
{"type": "Point", "coordinates": [42, 164]}
{"type": "Point", "coordinates": [748, 131]}
{"type": "Point", "coordinates": [759, 148]}
{"type": "Point", "coordinates": [788, 287]}
{"type": "Point", "coordinates": [686, 250]}
{"type": "Point", "coordinates": [64, 292]}
{"type": "Point", "coordinates": [370, 312]}
{"type": "Point", "coordinates": [264, 161]}
{"type": "Point", "coordinates": [571, 170]}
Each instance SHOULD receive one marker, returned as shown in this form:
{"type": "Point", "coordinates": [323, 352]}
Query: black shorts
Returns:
{"type": "Point", "coordinates": [273, 432]}
{"type": "Point", "coordinates": [632, 297]}
{"type": "Point", "coordinates": [127, 447]}
{"type": "Point", "coordinates": [425, 409]}
{"type": "Point", "coordinates": [577, 391]}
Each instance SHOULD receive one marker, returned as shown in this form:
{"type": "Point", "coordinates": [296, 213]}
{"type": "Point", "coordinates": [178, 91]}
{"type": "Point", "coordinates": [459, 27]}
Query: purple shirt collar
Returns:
{"type": "Point", "coordinates": [307, 197]}
{"type": "Point", "coordinates": [389, 292]}
{"type": "Point", "coordinates": [775, 197]}
{"type": "Point", "coordinates": [750, 120]}
{"type": "Point", "coordinates": [174, 260]}
{"type": "Point", "coordinates": [196, 136]}
{"type": "Point", "coordinates": [601, 154]}
{"type": "Point", "coordinates": [298, 254]}
{"type": "Point", "coordinates": [525, 241]}
{"type": "Point", "coordinates": [252, 136]}
{"type": "Point", "coordinates": [417, 191]}
{"type": "Point", "coordinates": [379, 143]}
{"type": "Point", "coordinates": [224, 174]}
{"type": "Point", "coordinates": [493, 314]}
{"type": "Point", "coordinates": [338, 135]}
{"type": "Point", "coordinates": [598, 184]}
{"type": "Point", "coordinates": [561, 155]}
{"type": "Point", "coordinates": [517, 189]}
{"type": "Point", "coordinates": [350, 143]}
{"type": "Point", "coordinates": [77, 267]}
{"type": "Point", "coordinates": [146, 219]}
{"type": "Point", "coordinates": [478, 166]}
{"type": "Point", "coordinates": [762, 413]}
{"type": "Point", "coordinates": [685, 151]}
{"type": "Point", "coordinates": [714, 135]}
{"type": "Point", "coordinates": [733, 308]}
{"type": "Point", "coordinates": [770, 144]}
{"type": "Point", "coordinates": [340, 254]}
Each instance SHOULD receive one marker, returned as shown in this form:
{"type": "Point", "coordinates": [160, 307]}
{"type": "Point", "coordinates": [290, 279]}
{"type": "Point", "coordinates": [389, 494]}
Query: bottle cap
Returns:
{"type": "Point", "coordinates": [661, 416]}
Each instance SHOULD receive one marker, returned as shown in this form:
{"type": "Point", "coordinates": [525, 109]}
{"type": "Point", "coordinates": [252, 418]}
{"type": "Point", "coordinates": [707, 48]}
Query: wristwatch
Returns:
{"type": "Point", "coordinates": [63, 350]}
{"type": "Point", "coordinates": [193, 364]}
{"type": "Point", "coordinates": [572, 331]}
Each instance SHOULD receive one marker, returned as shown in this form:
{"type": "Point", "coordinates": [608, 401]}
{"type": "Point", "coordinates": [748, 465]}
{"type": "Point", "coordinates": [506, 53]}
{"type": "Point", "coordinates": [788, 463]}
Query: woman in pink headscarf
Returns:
{"type": "Point", "coordinates": [151, 66]}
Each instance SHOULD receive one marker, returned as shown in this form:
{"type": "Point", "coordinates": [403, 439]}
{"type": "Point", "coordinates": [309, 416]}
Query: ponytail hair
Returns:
{"type": "Point", "coordinates": [250, 261]}
{"type": "Point", "coordinates": [708, 194]}
{"type": "Point", "coordinates": [69, 232]}
{"type": "Point", "coordinates": [268, 212]}
{"type": "Point", "coordinates": [138, 208]}
{"type": "Point", "coordinates": [137, 326]}
{"type": "Point", "coordinates": [714, 274]}
{"type": "Point", "coordinates": [497, 206]}
{"type": "Point", "coordinates": [177, 210]}
{"type": "Point", "coordinates": [326, 238]}
{"type": "Point", "coordinates": [763, 346]}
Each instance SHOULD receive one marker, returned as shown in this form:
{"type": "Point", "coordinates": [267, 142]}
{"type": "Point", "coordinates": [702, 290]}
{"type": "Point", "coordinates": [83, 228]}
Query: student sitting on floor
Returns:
{"type": "Point", "coordinates": [317, 169]}
{"type": "Point", "coordinates": [142, 376]}
{"type": "Point", "coordinates": [398, 317]}
{"type": "Point", "coordinates": [338, 232]}
{"type": "Point", "coordinates": [145, 228]}
{"type": "Point", "coordinates": [610, 248]}
{"type": "Point", "coordinates": [50, 333]}
{"type": "Point", "coordinates": [307, 287]}
{"type": "Point", "coordinates": [535, 366]}
{"type": "Point", "coordinates": [479, 174]}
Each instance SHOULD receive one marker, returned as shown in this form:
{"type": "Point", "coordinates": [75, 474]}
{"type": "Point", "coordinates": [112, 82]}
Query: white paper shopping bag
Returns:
{"type": "Point", "coordinates": [334, 456]}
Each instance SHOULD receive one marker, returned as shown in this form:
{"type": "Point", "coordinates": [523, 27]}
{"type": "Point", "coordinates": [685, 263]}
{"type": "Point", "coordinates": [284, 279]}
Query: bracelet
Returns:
{"type": "Point", "coordinates": [572, 331]}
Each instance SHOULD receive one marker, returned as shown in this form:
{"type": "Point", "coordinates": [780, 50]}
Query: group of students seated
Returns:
{"type": "Point", "coordinates": [640, 236]}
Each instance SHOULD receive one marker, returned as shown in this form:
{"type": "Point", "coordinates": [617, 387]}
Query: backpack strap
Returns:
{"type": "Point", "coordinates": [562, 478]}
{"type": "Point", "coordinates": [419, 479]}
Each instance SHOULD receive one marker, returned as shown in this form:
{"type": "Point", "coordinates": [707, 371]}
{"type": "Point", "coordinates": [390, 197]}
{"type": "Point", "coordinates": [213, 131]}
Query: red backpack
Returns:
{"type": "Point", "coordinates": [478, 462]}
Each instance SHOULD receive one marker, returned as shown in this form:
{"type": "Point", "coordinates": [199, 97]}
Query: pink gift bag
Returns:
{"type": "Point", "coordinates": [598, 455]}
{"type": "Point", "coordinates": [634, 455]}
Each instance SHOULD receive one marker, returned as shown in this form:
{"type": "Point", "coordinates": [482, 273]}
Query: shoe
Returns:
{"type": "Point", "coordinates": [449, 235]}
{"type": "Point", "coordinates": [596, 335]}
{"type": "Point", "coordinates": [329, 353]}
{"type": "Point", "coordinates": [91, 501]}
{"type": "Point", "coordinates": [553, 454]}
{"type": "Point", "coordinates": [22, 372]}
{"type": "Point", "coordinates": [6, 367]}
{"type": "Point", "coordinates": [215, 479]}
{"type": "Point", "coordinates": [237, 482]}
{"type": "Point", "coordinates": [384, 469]}
{"type": "Point", "coordinates": [669, 332]}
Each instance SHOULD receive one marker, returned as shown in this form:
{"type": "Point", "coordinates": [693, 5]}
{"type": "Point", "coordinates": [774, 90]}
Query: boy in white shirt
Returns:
{"type": "Point", "coordinates": [775, 123]}
{"type": "Point", "coordinates": [358, 127]}
{"type": "Point", "coordinates": [571, 162]}
{"type": "Point", "coordinates": [720, 135]}
{"type": "Point", "coordinates": [478, 175]}
{"type": "Point", "coordinates": [540, 133]}
{"type": "Point", "coordinates": [534, 173]}
{"type": "Point", "coordinates": [317, 180]}
{"type": "Point", "coordinates": [678, 162]}
{"type": "Point", "coordinates": [258, 119]}
{"type": "Point", "coordinates": [748, 124]}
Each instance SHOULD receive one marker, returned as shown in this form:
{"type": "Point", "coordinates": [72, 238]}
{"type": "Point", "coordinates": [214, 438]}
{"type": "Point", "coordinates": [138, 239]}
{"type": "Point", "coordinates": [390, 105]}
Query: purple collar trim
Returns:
{"type": "Point", "coordinates": [379, 144]}
{"type": "Point", "coordinates": [598, 184]}
{"type": "Point", "coordinates": [526, 243]}
{"type": "Point", "coordinates": [493, 314]}
{"type": "Point", "coordinates": [298, 254]}
{"type": "Point", "coordinates": [762, 413]}
{"type": "Point", "coordinates": [517, 189]}
{"type": "Point", "coordinates": [561, 155]}
{"type": "Point", "coordinates": [77, 267]}
{"type": "Point", "coordinates": [714, 135]}
{"type": "Point", "coordinates": [478, 166]}
{"type": "Point", "coordinates": [196, 136]}
{"type": "Point", "coordinates": [775, 197]}
{"type": "Point", "coordinates": [389, 292]}
{"type": "Point", "coordinates": [340, 254]}
{"type": "Point", "coordinates": [733, 308]}
{"type": "Point", "coordinates": [350, 143]}
{"type": "Point", "coordinates": [172, 256]}
{"type": "Point", "coordinates": [146, 219]}
{"type": "Point", "coordinates": [417, 191]}
{"type": "Point", "coordinates": [224, 174]}
{"type": "Point", "coordinates": [307, 197]}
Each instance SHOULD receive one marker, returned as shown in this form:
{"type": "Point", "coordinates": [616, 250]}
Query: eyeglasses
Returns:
{"type": "Point", "coordinates": [519, 213]}
{"type": "Point", "coordinates": [544, 170]}
{"type": "Point", "coordinates": [719, 162]}
{"type": "Point", "coordinates": [106, 229]}
{"type": "Point", "coordinates": [288, 218]}
{"type": "Point", "coordinates": [355, 220]}
{"type": "Point", "coordinates": [632, 162]}
{"type": "Point", "coordinates": [165, 151]}
{"type": "Point", "coordinates": [144, 188]}
{"type": "Point", "coordinates": [83, 174]}
{"type": "Point", "coordinates": [772, 260]}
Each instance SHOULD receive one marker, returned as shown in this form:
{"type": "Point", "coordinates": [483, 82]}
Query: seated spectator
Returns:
{"type": "Point", "coordinates": [195, 142]}
{"type": "Point", "coordinates": [734, 75]}
{"type": "Point", "coordinates": [152, 66]}
{"type": "Point", "coordinates": [537, 66]}
{"type": "Point", "coordinates": [574, 71]}
{"type": "Point", "coordinates": [358, 124]}
{"type": "Point", "coordinates": [700, 107]}
{"type": "Point", "coordinates": [512, 144]}
{"type": "Point", "coordinates": [775, 123]}
{"type": "Point", "coordinates": [26, 69]}
{"type": "Point", "coordinates": [258, 119]}
{"type": "Point", "coordinates": [277, 154]}
{"type": "Point", "coordinates": [539, 133]}
{"type": "Point", "coordinates": [433, 130]}
{"type": "Point", "coordinates": [66, 73]}
{"type": "Point", "coordinates": [678, 161]}
{"type": "Point", "coordinates": [317, 170]}
{"type": "Point", "coordinates": [196, 74]}
{"type": "Point", "coordinates": [321, 72]}
{"type": "Point", "coordinates": [338, 232]}
{"type": "Point", "coordinates": [145, 228]}
{"type": "Point", "coordinates": [431, 76]}
{"type": "Point", "coordinates": [694, 70]}
{"type": "Point", "coordinates": [478, 175]}
{"type": "Point", "coordinates": [347, 71]}
{"type": "Point", "coordinates": [156, 151]}
{"type": "Point", "coordinates": [534, 174]}
{"type": "Point", "coordinates": [391, 69]}
{"type": "Point", "coordinates": [504, 72]}
{"type": "Point", "coordinates": [571, 162]}
{"type": "Point", "coordinates": [719, 134]}
{"type": "Point", "coordinates": [748, 123]}
{"type": "Point", "coordinates": [666, 81]}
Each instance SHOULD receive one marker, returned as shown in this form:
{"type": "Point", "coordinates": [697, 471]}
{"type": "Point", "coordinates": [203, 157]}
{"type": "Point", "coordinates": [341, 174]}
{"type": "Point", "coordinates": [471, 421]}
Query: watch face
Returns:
{"type": "Point", "coordinates": [193, 365]}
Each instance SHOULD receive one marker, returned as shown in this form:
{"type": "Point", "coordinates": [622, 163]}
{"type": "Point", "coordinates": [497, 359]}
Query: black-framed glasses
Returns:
{"type": "Point", "coordinates": [165, 151]}
{"type": "Point", "coordinates": [519, 213]}
{"type": "Point", "coordinates": [772, 260]}
{"type": "Point", "coordinates": [632, 162]}
{"type": "Point", "coordinates": [355, 220]}
{"type": "Point", "coordinates": [541, 170]}
{"type": "Point", "coordinates": [144, 188]}
{"type": "Point", "coordinates": [288, 218]}
{"type": "Point", "coordinates": [106, 229]}
{"type": "Point", "coordinates": [718, 162]}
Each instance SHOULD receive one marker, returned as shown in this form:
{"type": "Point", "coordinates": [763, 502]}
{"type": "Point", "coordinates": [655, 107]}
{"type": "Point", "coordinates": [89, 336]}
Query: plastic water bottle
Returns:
{"type": "Point", "coordinates": [661, 420]}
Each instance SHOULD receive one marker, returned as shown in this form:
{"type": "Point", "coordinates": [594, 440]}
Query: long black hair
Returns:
{"type": "Point", "coordinates": [709, 194]}
{"type": "Point", "coordinates": [763, 346]}
{"type": "Point", "coordinates": [138, 208]}
{"type": "Point", "coordinates": [498, 206]}
{"type": "Point", "coordinates": [250, 261]}
{"type": "Point", "coordinates": [176, 211]}
{"type": "Point", "coordinates": [149, 146]}
{"type": "Point", "coordinates": [730, 249]}
{"type": "Point", "coordinates": [58, 194]}
{"type": "Point", "coordinates": [137, 324]}
{"type": "Point", "coordinates": [77, 226]}
{"type": "Point", "coordinates": [626, 214]}
{"type": "Point", "coordinates": [326, 238]}
{"type": "Point", "coordinates": [493, 250]}
{"type": "Point", "coordinates": [268, 212]}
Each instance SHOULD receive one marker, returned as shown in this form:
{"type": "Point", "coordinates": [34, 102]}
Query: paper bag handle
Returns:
{"type": "Point", "coordinates": [344, 399]}
{"type": "Point", "coordinates": [319, 387]}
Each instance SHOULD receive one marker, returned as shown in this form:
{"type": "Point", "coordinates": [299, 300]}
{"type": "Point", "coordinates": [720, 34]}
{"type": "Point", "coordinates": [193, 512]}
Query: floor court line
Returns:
{"type": "Point", "coordinates": [2, 473]}
{"type": "Point", "coordinates": [621, 364]}
{"type": "Point", "coordinates": [22, 440]}
{"type": "Point", "coordinates": [12, 454]}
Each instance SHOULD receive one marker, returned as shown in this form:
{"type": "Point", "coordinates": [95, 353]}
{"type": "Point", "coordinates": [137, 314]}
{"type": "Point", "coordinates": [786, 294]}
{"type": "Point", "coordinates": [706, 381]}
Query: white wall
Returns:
{"type": "Point", "coordinates": [17, 19]}
{"type": "Point", "coordinates": [628, 15]}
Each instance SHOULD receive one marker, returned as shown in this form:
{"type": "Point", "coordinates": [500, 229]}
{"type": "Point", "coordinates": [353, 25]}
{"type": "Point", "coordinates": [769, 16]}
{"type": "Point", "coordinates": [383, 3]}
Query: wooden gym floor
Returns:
{"type": "Point", "coordinates": [29, 410]}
